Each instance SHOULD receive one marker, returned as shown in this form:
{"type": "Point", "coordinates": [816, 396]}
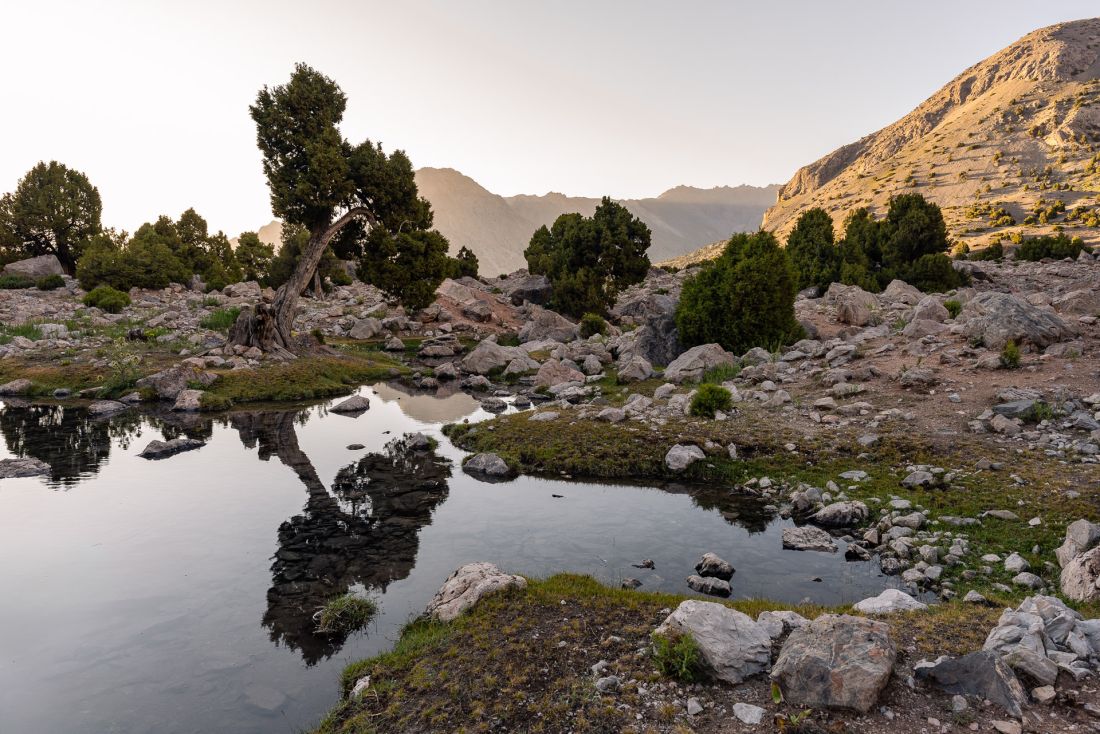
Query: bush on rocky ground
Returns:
{"type": "Point", "coordinates": [709, 399]}
{"type": "Point", "coordinates": [592, 324]}
{"type": "Point", "coordinates": [1056, 247]}
{"type": "Point", "coordinates": [50, 282]}
{"type": "Point", "coordinates": [1010, 355]}
{"type": "Point", "coordinates": [15, 282]}
{"type": "Point", "coordinates": [743, 299]}
{"type": "Point", "coordinates": [678, 656]}
{"type": "Point", "coordinates": [107, 298]}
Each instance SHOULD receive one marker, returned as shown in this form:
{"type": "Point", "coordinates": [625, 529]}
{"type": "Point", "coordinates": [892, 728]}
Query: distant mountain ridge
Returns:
{"type": "Point", "coordinates": [498, 228]}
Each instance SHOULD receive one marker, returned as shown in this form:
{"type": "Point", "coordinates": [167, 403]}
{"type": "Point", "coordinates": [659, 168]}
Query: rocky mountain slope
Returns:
{"type": "Point", "coordinates": [498, 228]}
{"type": "Point", "coordinates": [999, 144]}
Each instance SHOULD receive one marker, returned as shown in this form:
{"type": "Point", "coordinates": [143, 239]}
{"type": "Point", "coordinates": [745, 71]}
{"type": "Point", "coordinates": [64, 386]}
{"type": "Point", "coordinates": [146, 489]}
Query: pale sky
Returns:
{"type": "Point", "coordinates": [150, 98]}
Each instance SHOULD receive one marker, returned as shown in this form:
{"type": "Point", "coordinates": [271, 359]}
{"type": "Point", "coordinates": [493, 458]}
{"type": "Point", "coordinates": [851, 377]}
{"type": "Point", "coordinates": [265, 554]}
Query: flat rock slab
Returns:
{"type": "Point", "coordinates": [836, 662]}
{"type": "Point", "coordinates": [981, 674]}
{"type": "Point", "coordinates": [733, 646]}
{"type": "Point", "coordinates": [888, 602]}
{"type": "Point", "coordinates": [355, 404]}
{"type": "Point", "coordinates": [27, 466]}
{"type": "Point", "coordinates": [102, 408]}
{"type": "Point", "coordinates": [164, 449]}
{"type": "Point", "coordinates": [808, 538]}
{"type": "Point", "coordinates": [467, 586]}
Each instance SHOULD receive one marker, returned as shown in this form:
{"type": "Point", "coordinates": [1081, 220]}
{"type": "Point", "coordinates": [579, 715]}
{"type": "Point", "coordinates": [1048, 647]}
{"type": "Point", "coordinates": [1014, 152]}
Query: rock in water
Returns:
{"type": "Point", "coordinates": [466, 586]}
{"type": "Point", "coordinates": [888, 602]}
{"type": "Point", "coordinates": [808, 538]}
{"type": "Point", "coordinates": [979, 674]}
{"type": "Point", "coordinates": [27, 466]}
{"type": "Point", "coordinates": [163, 449]}
{"type": "Point", "coordinates": [712, 565]}
{"type": "Point", "coordinates": [354, 404]}
{"type": "Point", "coordinates": [102, 408]}
{"type": "Point", "coordinates": [836, 662]}
{"type": "Point", "coordinates": [711, 586]}
{"type": "Point", "coordinates": [488, 465]}
{"type": "Point", "coordinates": [732, 645]}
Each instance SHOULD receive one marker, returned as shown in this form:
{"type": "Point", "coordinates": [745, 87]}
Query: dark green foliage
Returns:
{"type": "Point", "coordinates": [913, 228]}
{"type": "Point", "coordinates": [590, 259]}
{"type": "Point", "coordinates": [221, 319]}
{"type": "Point", "coordinates": [591, 324]}
{"type": "Point", "coordinates": [15, 282]}
{"type": "Point", "coordinates": [709, 399]}
{"type": "Point", "coordinates": [464, 264]}
{"type": "Point", "coordinates": [107, 298]}
{"type": "Point", "coordinates": [1010, 355]}
{"type": "Point", "coordinates": [1057, 247]}
{"type": "Point", "coordinates": [50, 282]}
{"type": "Point", "coordinates": [679, 657]}
{"type": "Point", "coordinates": [408, 266]}
{"type": "Point", "coordinates": [742, 299]}
{"type": "Point", "coordinates": [812, 249]}
{"type": "Point", "coordinates": [254, 256]}
{"type": "Point", "coordinates": [933, 273]}
{"type": "Point", "coordinates": [996, 251]}
{"type": "Point", "coordinates": [954, 308]}
{"type": "Point", "coordinates": [53, 210]}
{"type": "Point", "coordinates": [143, 262]}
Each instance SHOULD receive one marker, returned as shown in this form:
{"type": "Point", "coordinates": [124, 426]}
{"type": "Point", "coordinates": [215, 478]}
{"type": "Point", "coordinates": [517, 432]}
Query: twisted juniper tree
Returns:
{"type": "Point", "coordinates": [321, 183]}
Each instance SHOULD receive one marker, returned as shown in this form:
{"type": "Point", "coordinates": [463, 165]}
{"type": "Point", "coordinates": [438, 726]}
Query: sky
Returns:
{"type": "Point", "coordinates": [150, 98]}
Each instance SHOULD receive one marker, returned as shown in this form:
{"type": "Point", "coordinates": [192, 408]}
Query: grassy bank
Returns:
{"type": "Point", "coordinates": [521, 661]}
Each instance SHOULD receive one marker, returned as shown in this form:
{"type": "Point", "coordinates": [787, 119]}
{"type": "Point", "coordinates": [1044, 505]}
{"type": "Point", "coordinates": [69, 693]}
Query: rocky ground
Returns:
{"type": "Point", "coordinates": [895, 424]}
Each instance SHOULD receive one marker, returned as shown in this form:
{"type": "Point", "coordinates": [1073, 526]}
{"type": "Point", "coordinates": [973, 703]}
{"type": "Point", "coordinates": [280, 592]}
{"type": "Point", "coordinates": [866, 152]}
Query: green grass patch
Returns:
{"type": "Point", "coordinates": [30, 331]}
{"type": "Point", "coordinates": [345, 613]}
{"type": "Point", "coordinates": [221, 319]}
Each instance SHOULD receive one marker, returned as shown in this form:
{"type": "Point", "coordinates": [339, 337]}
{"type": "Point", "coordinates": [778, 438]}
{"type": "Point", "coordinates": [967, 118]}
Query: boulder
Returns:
{"type": "Point", "coordinates": [808, 538]}
{"type": "Point", "coordinates": [888, 602]}
{"type": "Point", "coordinates": [996, 318]}
{"type": "Point", "coordinates": [854, 305]}
{"type": "Point", "coordinates": [840, 515]}
{"type": "Point", "coordinates": [711, 586]}
{"type": "Point", "coordinates": [546, 324]}
{"type": "Point", "coordinates": [26, 466]}
{"type": "Point", "coordinates": [1081, 536]}
{"type": "Point", "coordinates": [367, 328]}
{"type": "Point", "coordinates": [35, 267]}
{"type": "Point", "coordinates": [162, 449]}
{"type": "Point", "coordinates": [102, 408]}
{"type": "Point", "coordinates": [522, 286]}
{"type": "Point", "coordinates": [1080, 578]}
{"type": "Point", "coordinates": [188, 401]}
{"type": "Point", "coordinates": [836, 662]}
{"type": "Point", "coordinates": [732, 645]}
{"type": "Point", "coordinates": [488, 356]}
{"type": "Point", "coordinates": [681, 456]}
{"type": "Point", "coordinates": [16, 387]}
{"type": "Point", "coordinates": [169, 383]}
{"type": "Point", "coordinates": [553, 372]}
{"type": "Point", "coordinates": [635, 369]}
{"type": "Point", "coordinates": [467, 586]}
{"type": "Point", "coordinates": [711, 565]}
{"type": "Point", "coordinates": [692, 364]}
{"type": "Point", "coordinates": [355, 404]}
{"type": "Point", "coordinates": [980, 674]}
{"type": "Point", "coordinates": [930, 309]}
{"type": "Point", "coordinates": [487, 465]}
{"type": "Point", "coordinates": [248, 289]}
{"type": "Point", "coordinates": [901, 292]}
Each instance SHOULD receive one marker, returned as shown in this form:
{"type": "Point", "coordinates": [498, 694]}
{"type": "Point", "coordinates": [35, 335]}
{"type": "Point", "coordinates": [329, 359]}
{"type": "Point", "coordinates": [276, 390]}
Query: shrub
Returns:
{"type": "Point", "coordinates": [107, 298]}
{"type": "Point", "coordinates": [221, 319]}
{"type": "Point", "coordinates": [953, 307]}
{"type": "Point", "coordinates": [934, 274]}
{"type": "Point", "coordinates": [344, 614]}
{"type": "Point", "coordinates": [812, 249]}
{"type": "Point", "coordinates": [718, 375]}
{"type": "Point", "coordinates": [996, 251]}
{"type": "Point", "coordinates": [1057, 246]}
{"type": "Point", "coordinates": [679, 657]}
{"type": "Point", "coordinates": [50, 282]}
{"type": "Point", "coordinates": [1010, 355]}
{"type": "Point", "coordinates": [592, 324]}
{"type": "Point", "coordinates": [709, 399]}
{"type": "Point", "coordinates": [743, 299]}
{"type": "Point", "coordinates": [15, 282]}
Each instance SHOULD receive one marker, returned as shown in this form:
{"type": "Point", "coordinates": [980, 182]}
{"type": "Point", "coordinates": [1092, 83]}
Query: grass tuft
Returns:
{"type": "Point", "coordinates": [347, 613]}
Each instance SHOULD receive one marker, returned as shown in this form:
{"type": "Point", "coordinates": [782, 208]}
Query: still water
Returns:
{"type": "Point", "coordinates": [177, 595]}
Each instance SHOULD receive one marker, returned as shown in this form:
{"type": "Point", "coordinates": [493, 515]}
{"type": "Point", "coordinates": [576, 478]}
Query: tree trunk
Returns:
{"type": "Point", "coordinates": [269, 326]}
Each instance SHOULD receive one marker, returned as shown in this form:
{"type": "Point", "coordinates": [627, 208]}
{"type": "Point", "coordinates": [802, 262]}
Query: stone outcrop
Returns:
{"type": "Point", "coordinates": [732, 645]}
{"type": "Point", "coordinates": [996, 318]}
{"type": "Point", "coordinates": [692, 364]}
{"type": "Point", "coordinates": [464, 588]}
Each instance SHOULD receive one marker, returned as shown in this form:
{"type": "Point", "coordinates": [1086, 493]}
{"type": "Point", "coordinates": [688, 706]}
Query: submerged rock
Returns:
{"type": "Point", "coordinates": [163, 449]}
{"type": "Point", "coordinates": [712, 586]}
{"type": "Point", "coordinates": [467, 586]}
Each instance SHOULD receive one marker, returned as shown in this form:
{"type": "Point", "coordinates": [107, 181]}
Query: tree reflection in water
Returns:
{"type": "Point", "coordinates": [363, 532]}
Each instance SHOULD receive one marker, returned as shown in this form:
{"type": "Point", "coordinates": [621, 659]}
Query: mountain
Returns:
{"type": "Point", "coordinates": [498, 228]}
{"type": "Point", "coordinates": [1014, 130]}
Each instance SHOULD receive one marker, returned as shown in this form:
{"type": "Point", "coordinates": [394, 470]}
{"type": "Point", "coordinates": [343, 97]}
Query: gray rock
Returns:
{"type": "Point", "coordinates": [711, 586]}
{"type": "Point", "coordinates": [467, 586]}
{"type": "Point", "coordinates": [711, 565]}
{"type": "Point", "coordinates": [1080, 579]}
{"type": "Point", "coordinates": [681, 456]}
{"type": "Point", "coordinates": [367, 328]}
{"type": "Point", "coordinates": [1081, 536]}
{"type": "Point", "coordinates": [16, 387]}
{"type": "Point", "coordinates": [188, 401]}
{"type": "Point", "coordinates": [486, 464]}
{"type": "Point", "coordinates": [161, 449]}
{"type": "Point", "coordinates": [546, 324]}
{"type": "Point", "coordinates": [732, 645]}
{"type": "Point", "coordinates": [919, 479]}
{"type": "Point", "coordinates": [889, 602]}
{"type": "Point", "coordinates": [996, 318]}
{"type": "Point", "coordinates": [808, 538]}
{"type": "Point", "coordinates": [979, 674]}
{"type": "Point", "coordinates": [692, 364]}
{"type": "Point", "coordinates": [35, 267]}
{"type": "Point", "coordinates": [355, 404]}
{"type": "Point", "coordinates": [636, 369]}
{"type": "Point", "coordinates": [836, 662]}
{"type": "Point", "coordinates": [1034, 666]}
{"type": "Point", "coordinates": [102, 408]}
{"type": "Point", "coordinates": [612, 415]}
{"type": "Point", "coordinates": [840, 515]}
{"type": "Point", "coordinates": [26, 466]}
{"type": "Point", "coordinates": [553, 372]}
{"type": "Point", "coordinates": [746, 713]}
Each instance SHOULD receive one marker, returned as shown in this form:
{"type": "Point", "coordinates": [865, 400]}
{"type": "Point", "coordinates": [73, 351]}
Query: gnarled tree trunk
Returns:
{"type": "Point", "coordinates": [269, 326]}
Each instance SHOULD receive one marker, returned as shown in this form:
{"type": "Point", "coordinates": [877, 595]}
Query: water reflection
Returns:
{"type": "Point", "coordinates": [362, 533]}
